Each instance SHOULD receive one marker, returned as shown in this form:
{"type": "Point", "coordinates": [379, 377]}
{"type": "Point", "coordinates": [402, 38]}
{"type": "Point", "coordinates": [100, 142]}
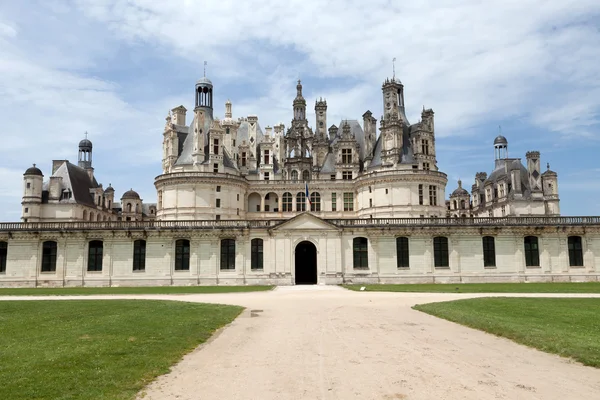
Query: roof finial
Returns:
{"type": "Point", "coordinates": [459, 183]}
{"type": "Point", "coordinates": [205, 68]}
{"type": "Point", "coordinates": [34, 165]}
{"type": "Point", "coordinates": [499, 130]}
{"type": "Point", "coordinates": [394, 68]}
{"type": "Point", "coordinates": [86, 134]}
{"type": "Point", "coordinates": [547, 166]}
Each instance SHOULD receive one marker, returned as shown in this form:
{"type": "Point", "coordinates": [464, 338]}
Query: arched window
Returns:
{"type": "Point", "coordinates": [315, 201]}
{"type": "Point", "coordinates": [286, 202]}
{"type": "Point", "coordinates": [532, 253]}
{"type": "Point", "coordinates": [3, 256]}
{"type": "Point", "coordinates": [95, 250]}
{"type": "Point", "coordinates": [182, 255]}
{"type": "Point", "coordinates": [489, 251]}
{"type": "Point", "coordinates": [402, 252]}
{"type": "Point", "coordinates": [85, 215]}
{"type": "Point", "coordinates": [136, 207]}
{"type": "Point", "coordinates": [440, 252]}
{"type": "Point", "coordinates": [462, 204]}
{"type": "Point", "coordinates": [91, 216]}
{"type": "Point", "coordinates": [294, 175]}
{"type": "Point", "coordinates": [305, 175]}
{"type": "Point", "coordinates": [455, 205]}
{"type": "Point", "coordinates": [128, 207]}
{"type": "Point", "coordinates": [49, 256]}
{"type": "Point", "coordinates": [575, 251]}
{"type": "Point", "coordinates": [360, 252]}
{"type": "Point", "coordinates": [301, 201]}
{"type": "Point", "coordinates": [227, 254]}
{"type": "Point", "coordinates": [256, 254]}
{"type": "Point", "coordinates": [99, 217]}
{"type": "Point", "coordinates": [139, 255]}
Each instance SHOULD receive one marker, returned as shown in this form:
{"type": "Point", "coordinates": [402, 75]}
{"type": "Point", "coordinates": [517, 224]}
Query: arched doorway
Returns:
{"type": "Point", "coordinates": [306, 263]}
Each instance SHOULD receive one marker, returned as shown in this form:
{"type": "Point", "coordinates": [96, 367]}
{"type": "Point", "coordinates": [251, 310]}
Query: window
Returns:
{"type": "Point", "coordinates": [294, 175]}
{"type": "Point", "coordinates": [370, 202]}
{"type": "Point", "coordinates": [286, 202]}
{"type": "Point", "coordinates": [347, 175]}
{"type": "Point", "coordinates": [227, 132]}
{"type": "Point", "coordinates": [346, 156]}
{"type": "Point", "coordinates": [217, 217]}
{"type": "Point", "coordinates": [462, 205]}
{"type": "Point", "coordinates": [426, 166]}
{"type": "Point", "coordinates": [440, 252]}
{"type": "Point", "coordinates": [425, 147]}
{"type": "Point", "coordinates": [386, 191]}
{"type": "Point", "coordinates": [218, 188]}
{"type": "Point", "coordinates": [305, 176]}
{"type": "Point", "coordinates": [256, 254]}
{"type": "Point", "coordinates": [489, 251]}
{"type": "Point", "coordinates": [360, 252]}
{"type": "Point", "coordinates": [402, 252]}
{"type": "Point", "coordinates": [160, 194]}
{"type": "Point", "coordinates": [370, 189]}
{"type": "Point", "coordinates": [501, 190]}
{"type": "Point", "coordinates": [266, 157]}
{"type": "Point", "coordinates": [95, 249]}
{"type": "Point", "coordinates": [215, 168]}
{"type": "Point", "coordinates": [218, 205]}
{"type": "Point", "coordinates": [332, 176]}
{"type": "Point", "coordinates": [139, 255]}
{"type": "Point", "coordinates": [532, 254]}
{"type": "Point", "coordinates": [333, 202]}
{"type": "Point", "coordinates": [28, 185]}
{"type": "Point", "coordinates": [433, 195]}
{"type": "Point", "coordinates": [238, 197]}
{"type": "Point", "coordinates": [228, 254]}
{"type": "Point", "coordinates": [243, 158]}
{"type": "Point", "coordinates": [3, 256]}
{"type": "Point", "coordinates": [216, 146]}
{"type": "Point", "coordinates": [503, 211]}
{"type": "Point", "coordinates": [49, 256]}
{"type": "Point", "coordinates": [348, 201]}
{"type": "Point", "coordinates": [128, 208]}
{"type": "Point", "coordinates": [301, 201]}
{"type": "Point", "coordinates": [315, 201]}
{"type": "Point", "coordinates": [420, 195]}
{"type": "Point", "coordinates": [182, 255]}
{"type": "Point", "coordinates": [26, 210]}
{"type": "Point", "coordinates": [575, 251]}
{"type": "Point", "coordinates": [267, 176]}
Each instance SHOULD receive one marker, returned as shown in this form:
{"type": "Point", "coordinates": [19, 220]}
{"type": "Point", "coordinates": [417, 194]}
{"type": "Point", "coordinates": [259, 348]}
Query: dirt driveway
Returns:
{"type": "Point", "coordinates": [324, 342]}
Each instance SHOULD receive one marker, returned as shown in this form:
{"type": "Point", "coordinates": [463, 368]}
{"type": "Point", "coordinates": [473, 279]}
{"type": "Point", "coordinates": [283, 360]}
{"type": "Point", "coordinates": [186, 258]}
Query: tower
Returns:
{"type": "Point", "coordinates": [370, 129]}
{"type": "Point", "coordinates": [299, 104]}
{"type": "Point", "coordinates": [85, 153]}
{"type": "Point", "coordinates": [32, 194]}
{"type": "Point", "coordinates": [500, 148]}
{"type": "Point", "coordinates": [533, 169]}
{"type": "Point", "coordinates": [393, 122]}
{"type": "Point", "coordinates": [203, 117]}
{"type": "Point", "coordinates": [321, 144]}
{"type": "Point", "coordinates": [299, 142]}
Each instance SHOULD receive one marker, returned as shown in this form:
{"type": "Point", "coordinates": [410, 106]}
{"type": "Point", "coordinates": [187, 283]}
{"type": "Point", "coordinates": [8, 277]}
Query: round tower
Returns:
{"type": "Point", "coordinates": [500, 147]}
{"type": "Point", "coordinates": [204, 93]}
{"type": "Point", "coordinates": [33, 180]}
{"type": "Point", "coordinates": [131, 205]}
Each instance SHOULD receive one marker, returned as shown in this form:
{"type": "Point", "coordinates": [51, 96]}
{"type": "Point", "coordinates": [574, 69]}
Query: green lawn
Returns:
{"type": "Point", "coordinates": [129, 290]}
{"type": "Point", "coordinates": [89, 349]}
{"type": "Point", "coordinates": [570, 287]}
{"type": "Point", "coordinates": [568, 327]}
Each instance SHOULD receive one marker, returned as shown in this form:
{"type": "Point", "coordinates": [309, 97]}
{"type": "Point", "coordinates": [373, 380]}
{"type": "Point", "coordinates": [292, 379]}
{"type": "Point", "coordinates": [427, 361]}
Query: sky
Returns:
{"type": "Point", "coordinates": [113, 68]}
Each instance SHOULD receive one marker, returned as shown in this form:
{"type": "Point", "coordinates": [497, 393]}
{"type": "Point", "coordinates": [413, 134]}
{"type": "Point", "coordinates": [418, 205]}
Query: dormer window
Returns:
{"type": "Point", "coordinates": [346, 156]}
{"type": "Point", "coordinates": [216, 146]}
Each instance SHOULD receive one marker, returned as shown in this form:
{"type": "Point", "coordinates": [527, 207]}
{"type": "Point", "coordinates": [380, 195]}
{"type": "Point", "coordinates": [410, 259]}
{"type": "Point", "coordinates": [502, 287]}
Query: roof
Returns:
{"type": "Point", "coordinates": [328, 164]}
{"type": "Point", "coordinates": [33, 171]}
{"type": "Point", "coordinates": [500, 140]}
{"type": "Point", "coordinates": [130, 194]}
{"type": "Point", "coordinates": [459, 191]}
{"type": "Point", "coordinates": [204, 81]}
{"type": "Point", "coordinates": [77, 180]}
{"type": "Point", "coordinates": [85, 144]}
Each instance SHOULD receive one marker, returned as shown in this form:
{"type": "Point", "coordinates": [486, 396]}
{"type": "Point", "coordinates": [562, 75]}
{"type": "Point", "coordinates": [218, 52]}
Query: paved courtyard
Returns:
{"type": "Point", "coordinates": [324, 342]}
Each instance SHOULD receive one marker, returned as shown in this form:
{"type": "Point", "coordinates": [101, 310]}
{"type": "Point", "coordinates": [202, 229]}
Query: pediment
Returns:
{"type": "Point", "coordinates": [306, 221]}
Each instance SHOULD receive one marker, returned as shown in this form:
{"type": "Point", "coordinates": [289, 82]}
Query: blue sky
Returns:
{"type": "Point", "coordinates": [115, 67]}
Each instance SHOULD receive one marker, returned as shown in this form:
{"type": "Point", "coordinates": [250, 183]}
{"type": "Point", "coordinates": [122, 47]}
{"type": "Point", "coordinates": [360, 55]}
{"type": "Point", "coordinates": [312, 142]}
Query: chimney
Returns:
{"type": "Point", "coordinates": [56, 164]}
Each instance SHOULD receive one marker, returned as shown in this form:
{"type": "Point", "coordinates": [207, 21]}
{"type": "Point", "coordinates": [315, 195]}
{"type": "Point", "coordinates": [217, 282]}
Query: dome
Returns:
{"type": "Point", "coordinates": [85, 144]}
{"type": "Point", "coordinates": [460, 191]}
{"type": "Point", "coordinates": [109, 189]}
{"type": "Point", "coordinates": [204, 81]}
{"type": "Point", "coordinates": [500, 140]}
{"type": "Point", "coordinates": [130, 194]}
{"type": "Point", "coordinates": [33, 171]}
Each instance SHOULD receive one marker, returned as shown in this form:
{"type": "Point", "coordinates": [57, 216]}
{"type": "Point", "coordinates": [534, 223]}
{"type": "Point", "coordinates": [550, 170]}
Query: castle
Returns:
{"type": "Point", "coordinates": [239, 204]}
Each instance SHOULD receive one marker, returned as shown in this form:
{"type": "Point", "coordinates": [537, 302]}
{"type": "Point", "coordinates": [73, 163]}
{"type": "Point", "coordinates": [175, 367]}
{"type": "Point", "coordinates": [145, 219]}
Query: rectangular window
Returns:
{"type": "Point", "coordinates": [238, 197]}
{"type": "Point", "coordinates": [218, 203]}
{"type": "Point", "coordinates": [575, 251]}
{"type": "Point", "coordinates": [216, 146]}
{"type": "Point", "coordinates": [503, 211]}
{"type": "Point", "coordinates": [28, 185]}
{"type": "Point", "coordinates": [49, 256]}
{"type": "Point", "coordinates": [286, 202]}
{"type": "Point", "coordinates": [243, 158]}
{"type": "Point", "coordinates": [215, 168]}
{"type": "Point", "coordinates": [420, 195]}
{"type": "Point", "coordinates": [301, 201]}
{"type": "Point", "coordinates": [266, 157]}
{"type": "Point", "coordinates": [501, 190]}
{"type": "Point", "coordinates": [217, 217]}
{"type": "Point", "coordinates": [360, 252]}
{"type": "Point", "coordinates": [3, 256]}
{"type": "Point", "coordinates": [333, 202]}
{"type": "Point", "coordinates": [139, 255]}
{"type": "Point", "coordinates": [347, 175]}
{"type": "Point", "coordinates": [425, 147]}
{"type": "Point", "coordinates": [95, 249]}
{"type": "Point", "coordinates": [26, 210]}
{"type": "Point", "coordinates": [218, 188]}
{"type": "Point", "coordinates": [440, 252]}
{"type": "Point", "coordinates": [433, 195]}
{"type": "Point", "coordinates": [267, 176]}
{"type": "Point", "coordinates": [227, 254]}
{"type": "Point", "coordinates": [346, 156]}
{"type": "Point", "coordinates": [348, 201]}
{"type": "Point", "coordinates": [182, 255]}
{"type": "Point", "coordinates": [256, 254]}
{"type": "Point", "coordinates": [489, 251]}
{"type": "Point", "coordinates": [370, 202]}
{"type": "Point", "coordinates": [532, 254]}
{"type": "Point", "coordinates": [332, 177]}
{"type": "Point", "coordinates": [233, 141]}
{"type": "Point", "coordinates": [402, 252]}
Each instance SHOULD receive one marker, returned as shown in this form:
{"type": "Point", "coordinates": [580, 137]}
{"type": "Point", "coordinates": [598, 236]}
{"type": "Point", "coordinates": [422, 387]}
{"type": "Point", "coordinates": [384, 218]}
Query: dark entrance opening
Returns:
{"type": "Point", "coordinates": [306, 263]}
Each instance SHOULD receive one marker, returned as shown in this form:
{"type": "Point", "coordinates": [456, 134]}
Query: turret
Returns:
{"type": "Point", "coordinates": [299, 104]}
{"type": "Point", "coordinates": [370, 129]}
{"type": "Point", "coordinates": [321, 113]}
{"type": "Point", "coordinates": [131, 204]}
{"type": "Point", "coordinates": [33, 180]}
{"type": "Point", "coordinates": [500, 148]}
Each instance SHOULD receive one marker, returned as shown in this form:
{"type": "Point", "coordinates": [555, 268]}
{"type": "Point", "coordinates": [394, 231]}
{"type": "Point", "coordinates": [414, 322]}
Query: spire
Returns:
{"type": "Point", "coordinates": [459, 184]}
{"type": "Point", "coordinates": [205, 68]}
{"type": "Point", "coordinates": [299, 89]}
{"type": "Point", "coordinates": [394, 68]}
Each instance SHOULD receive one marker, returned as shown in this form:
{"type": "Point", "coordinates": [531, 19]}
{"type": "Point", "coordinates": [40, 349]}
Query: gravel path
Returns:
{"type": "Point", "coordinates": [324, 342]}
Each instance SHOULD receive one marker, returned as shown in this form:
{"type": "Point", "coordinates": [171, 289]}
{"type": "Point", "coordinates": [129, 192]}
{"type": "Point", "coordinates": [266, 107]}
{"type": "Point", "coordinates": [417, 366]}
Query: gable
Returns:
{"type": "Point", "coordinates": [306, 221]}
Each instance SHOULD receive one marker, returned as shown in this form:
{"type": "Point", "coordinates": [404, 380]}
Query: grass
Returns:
{"type": "Point", "coordinates": [567, 327]}
{"type": "Point", "coordinates": [557, 287]}
{"type": "Point", "coordinates": [91, 349]}
{"type": "Point", "coordinates": [128, 290]}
